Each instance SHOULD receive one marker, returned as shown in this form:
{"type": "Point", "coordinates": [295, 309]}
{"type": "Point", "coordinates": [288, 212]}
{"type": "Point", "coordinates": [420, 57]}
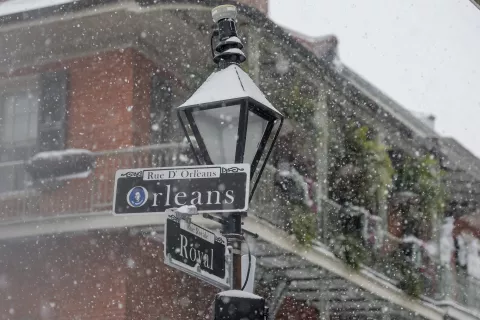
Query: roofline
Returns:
{"type": "Point", "coordinates": [454, 145]}
{"type": "Point", "coordinates": [476, 4]}
{"type": "Point", "coordinates": [80, 5]}
{"type": "Point", "coordinates": [300, 35]}
{"type": "Point", "coordinates": [377, 94]}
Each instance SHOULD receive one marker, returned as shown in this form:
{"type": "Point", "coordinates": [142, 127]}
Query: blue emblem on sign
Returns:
{"type": "Point", "coordinates": [137, 196]}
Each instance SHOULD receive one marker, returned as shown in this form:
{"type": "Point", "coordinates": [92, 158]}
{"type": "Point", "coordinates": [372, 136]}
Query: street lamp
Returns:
{"type": "Point", "coordinates": [228, 119]}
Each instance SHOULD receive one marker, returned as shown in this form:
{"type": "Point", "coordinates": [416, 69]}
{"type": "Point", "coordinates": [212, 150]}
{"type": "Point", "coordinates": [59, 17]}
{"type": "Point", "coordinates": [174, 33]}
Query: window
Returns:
{"type": "Point", "coordinates": [19, 107]}
{"type": "Point", "coordinates": [33, 112]}
{"type": "Point", "coordinates": [20, 118]}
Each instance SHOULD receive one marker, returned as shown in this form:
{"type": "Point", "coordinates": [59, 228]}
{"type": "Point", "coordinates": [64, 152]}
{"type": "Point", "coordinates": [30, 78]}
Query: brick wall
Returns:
{"type": "Point", "coordinates": [158, 292]}
{"type": "Point", "coordinates": [104, 275]}
{"type": "Point", "coordinates": [97, 275]}
{"type": "Point", "coordinates": [101, 93]}
{"type": "Point", "coordinates": [63, 278]}
{"type": "Point", "coordinates": [101, 275]}
{"type": "Point", "coordinates": [293, 309]}
{"type": "Point", "coordinates": [108, 99]}
{"type": "Point", "coordinates": [142, 77]}
{"type": "Point", "coordinates": [108, 108]}
{"type": "Point", "coordinates": [109, 103]}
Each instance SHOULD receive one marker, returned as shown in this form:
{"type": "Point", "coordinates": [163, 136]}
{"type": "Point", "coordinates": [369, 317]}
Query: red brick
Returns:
{"type": "Point", "coordinates": [88, 276]}
{"type": "Point", "coordinates": [293, 309]}
{"type": "Point", "coordinates": [69, 276]}
{"type": "Point", "coordinates": [99, 275]}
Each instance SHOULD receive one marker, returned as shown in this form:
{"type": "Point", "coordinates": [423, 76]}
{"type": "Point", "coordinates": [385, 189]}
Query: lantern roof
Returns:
{"type": "Point", "coordinates": [228, 84]}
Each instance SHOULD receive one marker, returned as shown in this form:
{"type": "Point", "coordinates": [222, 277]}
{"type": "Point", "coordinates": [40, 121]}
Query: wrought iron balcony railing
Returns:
{"type": "Point", "coordinates": [386, 256]}
{"type": "Point", "coordinates": [95, 193]}
{"type": "Point", "coordinates": [82, 194]}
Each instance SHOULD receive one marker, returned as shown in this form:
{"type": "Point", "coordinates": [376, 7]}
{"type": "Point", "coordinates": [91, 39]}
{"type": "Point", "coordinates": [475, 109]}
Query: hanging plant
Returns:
{"type": "Point", "coordinates": [423, 178]}
{"type": "Point", "coordinates": [411, 280]}
{"type": "Point", "coordinates": [361, 175]}
{"type": "Point", "coordinates": [302, 217]}
{"type": "Point", "coordinates": [431, 187]}
{"type": "Point", "coordinates": [303, 225]}
{"type": "Point", "coordinates": [350, 249]}
{"type": "Point", "coordinates": [293, 96]}
{"type": "Point", "coordinates": [299, 105]}
{"type": "Point", "coordinates": [364, 172]}
{"type": "Point", "coordinates": [405, 270]}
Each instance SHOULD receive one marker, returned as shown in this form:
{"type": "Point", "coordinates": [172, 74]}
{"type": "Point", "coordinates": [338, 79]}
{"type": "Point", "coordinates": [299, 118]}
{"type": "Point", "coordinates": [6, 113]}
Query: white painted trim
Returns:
{"type": "Point", "coordinates": [457, 310]}
{"type": "Point", "coordinates": [96, 10]}
{"type": "Point", "coordinates": [459, 313]}
{"type": "Point", "coordinates": [8, 8]}
{"type": "Point", "coordinates": [84, 222]}
{"type": "Point", "coordinates": [378, 287]}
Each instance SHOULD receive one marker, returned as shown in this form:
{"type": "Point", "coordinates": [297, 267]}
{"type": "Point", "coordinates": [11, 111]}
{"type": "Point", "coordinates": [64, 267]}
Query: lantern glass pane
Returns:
{"type": "Point", "coordinates": [190, 137]}
{"type": "Point", "coordinates": [218, 128]}
{"type": "Point", "coordinates": [270, 140]}
{"type": "Point", "coordinates": [255, 130]}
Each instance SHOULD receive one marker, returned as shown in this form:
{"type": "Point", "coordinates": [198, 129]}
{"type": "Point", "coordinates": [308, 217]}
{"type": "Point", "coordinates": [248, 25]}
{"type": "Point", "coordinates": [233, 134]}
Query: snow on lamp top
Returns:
{"type": "Point", "coordinates": [228, 84]}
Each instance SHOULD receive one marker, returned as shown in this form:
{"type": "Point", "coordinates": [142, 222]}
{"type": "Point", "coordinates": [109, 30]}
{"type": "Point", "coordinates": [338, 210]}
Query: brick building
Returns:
{"type": "Point", "coordinates": [102, 89]}
{"type": "Point", "coordinates": [104, 76]}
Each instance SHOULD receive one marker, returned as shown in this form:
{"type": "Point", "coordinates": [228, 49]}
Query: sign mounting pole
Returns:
{"type": "Point", "coordinates": [233, 233]}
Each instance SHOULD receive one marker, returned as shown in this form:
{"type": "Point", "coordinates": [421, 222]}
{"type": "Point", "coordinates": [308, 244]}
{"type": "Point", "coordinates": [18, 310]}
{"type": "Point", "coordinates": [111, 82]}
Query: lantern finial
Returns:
{"type": "Point", "coordinates": [228, 49]}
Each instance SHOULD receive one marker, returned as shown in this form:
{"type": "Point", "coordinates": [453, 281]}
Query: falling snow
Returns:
{"type": "Point", "coordinates": [363, 210]}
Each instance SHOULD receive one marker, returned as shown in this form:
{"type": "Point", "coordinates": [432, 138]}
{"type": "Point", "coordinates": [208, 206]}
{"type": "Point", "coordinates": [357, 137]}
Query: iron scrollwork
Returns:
{"type": "Point", "coordinates": [232, 170]}
{"type": "Point", "coordinates": [132, 174]}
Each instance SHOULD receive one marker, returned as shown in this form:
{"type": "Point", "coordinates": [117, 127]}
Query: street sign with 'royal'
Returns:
{"type": "Point", "coordinates": [196, 251]}
{"type": "Point", "coordinates": [216, 188]}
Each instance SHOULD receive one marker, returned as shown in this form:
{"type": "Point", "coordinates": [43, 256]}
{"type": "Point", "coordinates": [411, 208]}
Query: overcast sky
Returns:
{"type": "Point", "coordinates": [425, 54]}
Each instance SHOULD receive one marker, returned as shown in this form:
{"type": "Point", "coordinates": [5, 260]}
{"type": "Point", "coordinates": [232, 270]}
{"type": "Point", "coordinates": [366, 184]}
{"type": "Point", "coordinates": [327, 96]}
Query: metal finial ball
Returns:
{"type": "Point", "coordinates": [226, 11]}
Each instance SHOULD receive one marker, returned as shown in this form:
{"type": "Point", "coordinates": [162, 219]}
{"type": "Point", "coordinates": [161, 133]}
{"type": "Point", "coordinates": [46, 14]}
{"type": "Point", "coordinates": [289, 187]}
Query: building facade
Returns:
{"type": "Point", "coordinates": [93, 84]}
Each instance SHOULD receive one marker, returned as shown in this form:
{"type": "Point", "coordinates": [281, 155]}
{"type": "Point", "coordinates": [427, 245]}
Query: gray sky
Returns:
{"type": "Point", "coordinates": [425, 54]}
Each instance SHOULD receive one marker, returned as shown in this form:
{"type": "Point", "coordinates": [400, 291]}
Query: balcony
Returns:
{"type": "Point", "coordinates": [385, 253]}
{"type": "Point", "coordinates": [82, 195]}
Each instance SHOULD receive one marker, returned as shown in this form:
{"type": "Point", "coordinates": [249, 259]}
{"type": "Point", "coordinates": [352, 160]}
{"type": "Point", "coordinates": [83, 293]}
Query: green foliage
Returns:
{"type": "Point", "coordinates": [402, 267]}
{"type": "Point", "coordinates": [304, 224]}
{"type": "Point", "coordinates": [294, 101]}
{"type": "Point", "coordinates": [411, 281]}
{"type": "Point", "coordinates": [423, 177]}
{"type": "Point", "coordinates": [364, 173]}
{"type": "Point", "coordinates": [349, 248]}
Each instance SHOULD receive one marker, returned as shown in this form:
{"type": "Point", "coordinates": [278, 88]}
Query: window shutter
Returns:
{"type": "Point", "coordinates": [160, 109]}
{"type": "Point", "coordinates": [52, 111]}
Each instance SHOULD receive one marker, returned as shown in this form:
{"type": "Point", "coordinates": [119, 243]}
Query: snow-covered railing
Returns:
{"type": "Point", "coordinates": [87, 193]}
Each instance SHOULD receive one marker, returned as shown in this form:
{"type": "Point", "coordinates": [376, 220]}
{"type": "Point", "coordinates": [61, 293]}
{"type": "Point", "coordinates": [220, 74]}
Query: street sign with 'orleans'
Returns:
{"type": "Point", "coordinates": [216, 188]}
{"type": "Point", "coordinates": [196, 251]}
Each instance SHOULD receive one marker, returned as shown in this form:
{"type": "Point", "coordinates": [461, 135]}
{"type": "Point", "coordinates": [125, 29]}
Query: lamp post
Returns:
{"type": "Point", "coordinates": [229, 120]}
